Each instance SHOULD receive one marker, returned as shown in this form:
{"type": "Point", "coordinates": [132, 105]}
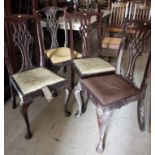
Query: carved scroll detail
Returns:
{"type": "Point", "coordinates": [84, 33]}
{"type": "Point", "coordinates": [22, 39]}
{"type": "Point", "coordinates": [137, 47]}
{"type": "Point", "coordinates": [52, 26]}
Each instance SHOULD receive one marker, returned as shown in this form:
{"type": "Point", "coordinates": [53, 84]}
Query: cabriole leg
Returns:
{"type": "Point", "coordinates": [67, 97]}
{"type": "Point", "coordinates": [102, 118]}
{"type": "Point", "coordinates": [77, 93]}
{"type": "Point", "coordinates": [85, 99]}
{"type": "Point", "coordinates": [24, 111]}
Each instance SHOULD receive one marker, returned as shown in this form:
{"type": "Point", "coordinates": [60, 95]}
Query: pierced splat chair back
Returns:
{"type": "Point", "coordinates": [86, 22]}
{"type": "Point", "coordinates": [138, 45]}
{"type": "Point", "coordinates": [52, 15]}
{"type": "Point", "coordinates": [23, 40]}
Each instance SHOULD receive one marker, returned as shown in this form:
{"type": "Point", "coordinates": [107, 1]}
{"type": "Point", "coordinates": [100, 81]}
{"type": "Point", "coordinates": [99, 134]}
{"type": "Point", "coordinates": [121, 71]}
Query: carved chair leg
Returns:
{"type": "Point", "coordinates": [24, 111]}
{"type": "Point", "coordinates": [67, 97]}
{"type": "Point", "coordinates": [140, 114]}
{"type": "Point", "coordinates": [77, 93]}
{"type": "Point", "coordinates": [84, 101]}
{"type": "Point", "coordinates": [13, 96]}
{"type": "Point", "coordinates": [102, 118]}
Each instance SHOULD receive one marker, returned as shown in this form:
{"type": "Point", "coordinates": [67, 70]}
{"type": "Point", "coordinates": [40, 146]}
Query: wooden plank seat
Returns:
{"type": "Point", "coordinates": [110, 89]}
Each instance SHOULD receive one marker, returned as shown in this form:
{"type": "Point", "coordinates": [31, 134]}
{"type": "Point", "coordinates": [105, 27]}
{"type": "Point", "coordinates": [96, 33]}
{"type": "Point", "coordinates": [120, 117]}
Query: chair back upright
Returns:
{"type": "Point", "coordinates": [138, 46]}
{"type": "Point", "coordinates": [23, 39]}
{"type": "Point", "coordinates": [86, 20]}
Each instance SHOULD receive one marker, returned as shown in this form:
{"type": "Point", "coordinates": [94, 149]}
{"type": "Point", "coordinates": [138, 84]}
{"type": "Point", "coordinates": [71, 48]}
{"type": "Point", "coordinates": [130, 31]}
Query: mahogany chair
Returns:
{"type": "Point", "coordinates": [89, 64]}
{"type": "Point", "coordinates": [31, 79]}
{"type": "Point", "coordinates": [58, 56]}
{"type": "Point", "coordinates": [112, 91]}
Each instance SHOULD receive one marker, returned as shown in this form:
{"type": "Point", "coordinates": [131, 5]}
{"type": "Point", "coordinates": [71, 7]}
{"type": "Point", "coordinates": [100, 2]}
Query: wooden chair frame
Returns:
{"type": "Point", "coordinates": [22, 39]}
{"type": "Point", "coordinates": [53, 26]}
{"type": "Point", "coordinates": [104, 110]}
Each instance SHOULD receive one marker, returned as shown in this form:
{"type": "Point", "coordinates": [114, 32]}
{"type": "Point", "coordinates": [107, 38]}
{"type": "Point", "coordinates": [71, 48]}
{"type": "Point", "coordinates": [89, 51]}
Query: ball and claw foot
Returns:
{"type": "Point", "coordinates": [28, 136]}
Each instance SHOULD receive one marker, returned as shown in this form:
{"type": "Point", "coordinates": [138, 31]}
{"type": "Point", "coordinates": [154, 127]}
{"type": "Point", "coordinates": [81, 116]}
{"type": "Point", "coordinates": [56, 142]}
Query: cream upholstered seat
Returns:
{"type": "Point", "coordinates": [35, 79]}
{"type": "Point", "coordinates": [91, 66]}
{"type": "Point", "coordinates": [61, 54]}
{"type": "Point", "coordinates": [111, 42]}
